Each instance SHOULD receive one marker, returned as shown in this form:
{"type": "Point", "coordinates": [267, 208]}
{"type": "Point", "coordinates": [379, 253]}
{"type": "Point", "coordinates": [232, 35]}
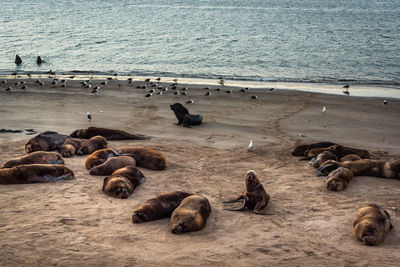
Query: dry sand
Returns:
{"type": "Point", "coordinates": [74, 223]}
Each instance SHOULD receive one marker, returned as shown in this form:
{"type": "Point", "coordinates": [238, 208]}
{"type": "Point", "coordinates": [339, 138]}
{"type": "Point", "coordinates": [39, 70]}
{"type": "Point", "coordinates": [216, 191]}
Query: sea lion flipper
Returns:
{"type": "Point", "coordinates": [234, 200]}
{"type": "Point", "coordinates": [263, 213]}
{"type": "Point", "coordinates": [326, 169]}
{"type": "Point", "coordinates": [236, 209]}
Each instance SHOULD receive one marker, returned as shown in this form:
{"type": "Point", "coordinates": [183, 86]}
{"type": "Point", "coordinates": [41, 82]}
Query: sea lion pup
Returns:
{"type": "Point", "coordinates": [91, 145]}
{"type": "Point", "coordinates": [112, 164]}
{"type": "Point", "coordinates": [38, 157]}
{"type": "Point", "coordinates": [364, 167]}
{"type": "Point", "coordinates": [145, 157]}
{"type": "Point", "coordinates": [99, 157]}
{"type": "Point", "coordinates": [123, 182]}
{"type": "Point", "coordinates": [190, 215]}
{"type": "Point", "coordinates": [255, 198]}
{"type": "Point", "coordinates": [371, 225]}
{"type": "Point", "coordinates": [338, 179]}
{"type": "Point", "coordinates": [301, 150]}
{"type": "Point", "coordinates": [322, 157]}
{"type": "Point", "coordinates": [158, 207]}
{"type": "Point", "coordinates": [35, 173]}
{"type": "Point", "coordinates": [70, 146]}
{"type": "Point", "coordinates": [184, 117]}
{"type": "Point", "coordinates": [350, 157]}
{"type": "Point", "coordinates": [45, 142]}
{"type": "Point", "coordinates": [109, 134]}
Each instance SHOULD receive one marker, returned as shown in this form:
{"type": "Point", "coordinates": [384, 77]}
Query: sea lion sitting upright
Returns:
{"type": "Point", "coordinates": [123, 182]}
{"type": "Point", "coordinates": [371, 225]}
{"type": "Point", "coordinates": [184, 117]}
{"type": "Point", "coordinates": [190, 215]}
{"type": "Point", "coordinates": [112, 164]}
{"type": "Point", "coordinates": [322, 157]}
{"type": "Point", "coordinates": [35, 173]}
{"type": "Point", "coordinates": [145, 157]}
{"type": "Point", "coordinates": [158, 207]}
{"type": "Point", "coordinates": [38, 157]}
{"type": "Point", "coordinates": [45, 142]}
{"type": "Point", "coordinates": [99, 157]}
{"type": "Point", "coordinates": [70, 146]}
{"type": "Point", "coordinates": [109, 134]}
{"type": "Point", "coordinates": [255, 198]}
{"type": "Point", "coordinates": [91, 145]}
{"type": "Point", "coordinates": [338, 179]}
{"type": "Point", "coordinates": [301, 150]}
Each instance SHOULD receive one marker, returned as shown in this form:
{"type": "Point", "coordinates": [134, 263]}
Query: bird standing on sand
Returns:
{"type": "Point", "coordinates": [347, 86]}
{"type": "Point", "coordinates": [190, 102]}
{"type": "Point", "coordinates": [208, 94]}
{"type": "Point", "coordinates": [323, 110]}
{"type": "Point", "coordinates": [95, 90]}
{"type": "Point", "coordinates": [385, 102]}
{"type": "Point", "coordinates": [251, 146]}
{"type": "Point", "coordinates": [254, 97]}
{"type": "Point", "coordinates": [18, 60]}
{"type": "Point", "coordinates": [89, 116]}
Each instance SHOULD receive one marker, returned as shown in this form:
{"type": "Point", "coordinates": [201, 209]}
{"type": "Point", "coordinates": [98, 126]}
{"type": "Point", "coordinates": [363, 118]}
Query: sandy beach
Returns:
{"type": "Point", "coordinates": [74, 223]}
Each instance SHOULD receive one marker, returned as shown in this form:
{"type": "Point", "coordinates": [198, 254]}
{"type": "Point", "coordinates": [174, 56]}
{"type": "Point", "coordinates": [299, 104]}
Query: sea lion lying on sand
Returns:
{"type": "Point", "coordinates": [350, 157]}
{"type": "Point", "coordinates": [301, 150]}
{"type": "Point", "coordinates": [91, 145]}
{"type": "Point", "coordinates": [109, 134]}
{"type": "Point", "coordinates": [255, 198]}
{"type": "Point", "coordinates": [113, 164]}
{"type": "Point", "coordinates": [145, 157]}
{"type": "Point", "coordinates": [372, 225]}
{"type": "Point", "coordinates": [70, 146]}
{"type": "Point", "coordinates": [342, 151]}
{"type": "Point", "coordinates": [45, 142]}
{"type": "Point", "coordinates": [190, 215]}
{"type": "Point", "coordinates": [322, 157]}
{"type": "Point", "coordinates": [35, 173]}
{"type": "Point", "coordinates": [158, 207]}
{"type": "Point", "coordinates": [184, 117]}
{"type": "Point", "coordinates": [99, 157]}
{"type": "Point", "coordinates": [38, 157]}
{"type": "Point", "coordinates": [338, 179]}
{"type": "Point", "coordinates": [123, 182]}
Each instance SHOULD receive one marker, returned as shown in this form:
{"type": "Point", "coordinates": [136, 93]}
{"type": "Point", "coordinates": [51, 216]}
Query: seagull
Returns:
{"type": "Point", "coordinates": [221, 82]}
{"type": "Point", "coordinates": [148, 95]}
{"type": "Point", "coordinates": [160, 87]}
{"type": "Point", "coordinates": [385, 102]}
{"type": "Point", "coordinates": [95, 90]}
{"type": "Point", "coordinates": [175, 80]}
{"type": "Point", "coordinates": [23, 87]}
{"type": "Point", "coordinates": [8, 89]}
{"type": "Point", "coordinates": [184, 93]}
{"type": "Point", "coordinates": [130, 79]}
{"type": "Point", "coordinates": [144, 86]}
{"type": "Point", "coordinates": [228, 92]}
{"type": "Point", "coordinates": [190, 102]}
{"type": "Point", "coordinates": [176, 93]}
{"type": "Point", "coordinates": [89, 116]}
{"type": "Point", "coordinates": [4, 81]}
{"type": "Point", "coordinates": [217, 89]}
{"type": "Point", "coordinates": [254, 97]}
{"type": "Point", "coordinates": [302, 135]}
{"type": "Point", "coordinates": [323, 109]}
{"type": "Point", "coordinates": [159, 93]}
{"type": "Point", "coordinates": [158, 79]}
{"type": "Point", "coordinates": [147, 80]}
{"type": "Point", "coordinates": [165, 89]}
{"type": "Point", "coordinates": [173, 87]}
{"type": "Point", "coordinates": [41, 83]}
{"type": "Point", "coordinates": [208, 94]}
{"type": "Point", "coordinates": [185, 89]}
{"type": "Point", "coordinates": [152, 91]}
{"type": "Point", "coordinates": [272, 89]}
{"type": "Point", "coordinates": [103, 83]}
{"type": "Point", "coordinates": [243, 90]}
{"type": "Point", "coordinates": [207, 88]}
{"type": "Point", "coordinates": [251, 146]}
{"type": "Point", "coordinates": [347, 86]}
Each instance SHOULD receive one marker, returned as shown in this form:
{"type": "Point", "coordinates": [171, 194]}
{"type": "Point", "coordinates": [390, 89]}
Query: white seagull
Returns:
{"type": "Point", "coordinates": [251, 146]}
{"type": "Point", "coordinates": [89, 116]}
{"type": "Point", "coordinates": [323, 110]}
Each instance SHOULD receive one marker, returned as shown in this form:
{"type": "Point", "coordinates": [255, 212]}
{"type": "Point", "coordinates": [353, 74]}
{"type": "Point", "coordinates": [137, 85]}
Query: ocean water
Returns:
{"type": "Point", "coordinates": [339, 41]}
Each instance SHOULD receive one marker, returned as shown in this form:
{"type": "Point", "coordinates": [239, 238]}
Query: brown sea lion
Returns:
{"type": "Point", "coordinates": [146, 157]}
{"type": "Point", "coordinates": [35, 173]}
{"type": "Point", "coordinates": [350, 157]}
{"type": "Point", "coordinates": [38, 157]}
{"type": "Point", "coordinates": [123, 182]}
{"type": "Point", "coordinates": [89, 146]}
{"type": "Point", "coordinates": [342, 151]}
{"type": "Point", "coordinates": [113, 164]}
{"type": "Point", "coordinates": [301, 150]}
{"type": "Point", "coordinates": [109, 134]}
{"type": "Point", "coordinates": [338, 179]}
{"type": "Point", "coordinates": [322, 157]}
{"type": "Point", "coordinates": [99, 157]}
{"type": "Point", "coordinates": [255, 198]}
{"type": "Point", "coordinates": [364, 167]}
{"type": "Point", "coordinates": [45, 142]}
{"type": "Point", "coordinates": [158, 207]}
{"type": "Point", "coordinates": [190, 215]}
{"type": "Point", "coordinates": [70, 146]}
{"type": "Point", "coordinates": [371, 225]}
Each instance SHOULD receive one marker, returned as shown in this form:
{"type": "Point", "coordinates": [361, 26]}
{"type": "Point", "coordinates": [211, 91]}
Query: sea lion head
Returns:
{"type": "Point", "coordinates": [184, 222]}
{"type": "Point", "coordinates": [251, 180]}
{"type": "Point", "coordinates": [32, 147]}
{"type": "Point", "coordinates": [369, 234]}
{"type": "Point", "coordinates": [118, 187]}
{"type": "Point", "coordinates": [80, 133]}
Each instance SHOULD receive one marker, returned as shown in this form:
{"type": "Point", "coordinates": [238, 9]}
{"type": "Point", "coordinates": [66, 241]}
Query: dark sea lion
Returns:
{"type": "Point", "coordinates": [158, 207]}
{"type": "Point", "coordinates": [99, 157]}
{"type": "Point", "coordinates": [69, 148]}
{"type": "Point", "coordinates": [38, 157]}
{"type": "Point", "coordinates": [338, 179]}
{"type": "Point", "coordinates": [364, 167]}
{"type": "Point", "coordinates": [113, 164]}
{"type": "Point", "coordinates": [342, 151]}
{"type": "Point", "coordinates": [89, 146]}
{"type": "Point", "coordinates": [109, 134]}
{"type": "Point", "coordinates": [123, 182]}
{"type": "Point", "coordinates": [301, 150]}
{"type": "Point", "coordinates": [39, 60]}
{"type": "Point", "coordinates": [184, 117]}
{"type": "Point", "coordinates": [371, 225]}
{"type": "Point", "coordinates": [322, 157]}
{"type": "Point", "coordinates": [146, 157]}
{"type": "Point", "coordinates": [190, 215]}
{"type": "Point", "coordinates": [35, 173]}
{"type": "Point", "coordinates": [255, 198]}
{"type": "Point", "coordinates": [45, 142]}
{"type": "Point", "coordinates": [350, 157]}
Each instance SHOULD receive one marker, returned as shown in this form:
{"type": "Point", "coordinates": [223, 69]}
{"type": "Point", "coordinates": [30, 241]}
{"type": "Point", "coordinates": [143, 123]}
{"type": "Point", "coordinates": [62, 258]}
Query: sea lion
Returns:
{"type": "Point", "coordinates": [338, 179]}
{"type": "Point", "coordinates": [371, 225]}
{"type": "Point", "coordinates": [146, 157]}
{"type": "Point", "coordinates": [190, 215]}
{"type": "Point", "coordinates": [38, 157]}
{"type": "Point", "coordinates": [109, 134]}
{"type": "Point", "coordinates": [350, 157]}
{"type": "Point", "coordinates": [158, 207]}
{"type": "Point", "coordinates": [364, 167]}
{"type": "Point", "coordinates": [123, 182]}
{"type": "Point", "coordinates": [99, 157]}
{"type": "Point", "coordinates": [18, 60]}
{"type": "Point", "coordinates": [35, 173]}
{"type": "Point", "coordinates": [184, 117]}
{"type": "Point", "coordinates": [70, 146]}
{"type": "Point", "coordinates": [112, 164]}
{"type": "Point", "coordinates": [342, 151]}
{"type": "Point", "coordinates": [322, 157]}
{"type": "Point", "coordinates": [88, 146]}
{"type": "Point", "coordinates": [301, 150]}
{"type": "Point", "coordinates": [255, 198]}
{"type": "Point", "coordinates": [45, 142]}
